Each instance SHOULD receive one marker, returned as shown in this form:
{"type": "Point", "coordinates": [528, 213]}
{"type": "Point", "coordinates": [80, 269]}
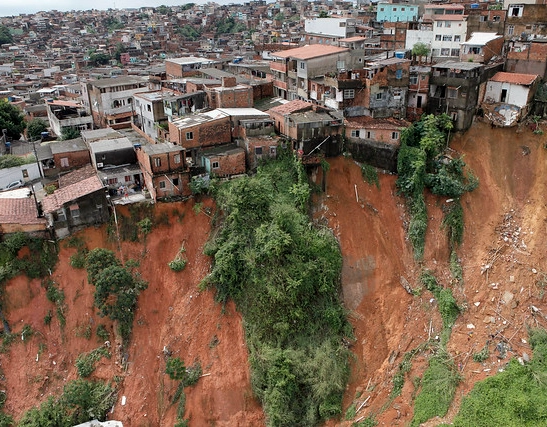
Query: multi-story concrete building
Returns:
{"type": "Point", "coordinates": [292, 69]}
{"type": "Point", "coordinates": [328, 30]}
{"type": "Point", "coordinates": [110, 101]}
{"type": "Point", "coordinates": [448, 32]}
{"type": "Point", "coordinates": [396, 12]}
{"type": "Point", "coordinates": [64, 114]}
{"type": "Point", "coordinates": [150, 113]}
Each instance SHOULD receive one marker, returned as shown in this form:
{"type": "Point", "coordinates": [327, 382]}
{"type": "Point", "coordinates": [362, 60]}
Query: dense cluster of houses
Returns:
{"type": "Point", "coordinates": [318, 77]}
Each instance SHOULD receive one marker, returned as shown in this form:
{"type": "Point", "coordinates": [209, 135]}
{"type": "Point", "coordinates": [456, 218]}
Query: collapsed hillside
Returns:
{"type": "Point", "coordinates": [503, 277]}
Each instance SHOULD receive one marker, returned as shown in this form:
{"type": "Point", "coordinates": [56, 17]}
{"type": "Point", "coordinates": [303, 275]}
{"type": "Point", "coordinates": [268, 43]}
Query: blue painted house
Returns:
{"type": "Point", "coordinates": [396, 12]}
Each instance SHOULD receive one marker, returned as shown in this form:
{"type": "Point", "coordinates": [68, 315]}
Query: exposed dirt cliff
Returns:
{"type": "Point", "coordinates": [503, 278]}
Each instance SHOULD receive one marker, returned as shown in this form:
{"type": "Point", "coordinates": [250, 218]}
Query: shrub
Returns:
{"type": "Point", "coordinates": [175, 368]}
{"type": "Point", "coordinates": [177, 264]}
{"type": "Point", "coordinates": [370, 175]}
{"type": "Point", "coordinates": [85, 363]}
{"type": "Point", "coordinates": [102, 333]}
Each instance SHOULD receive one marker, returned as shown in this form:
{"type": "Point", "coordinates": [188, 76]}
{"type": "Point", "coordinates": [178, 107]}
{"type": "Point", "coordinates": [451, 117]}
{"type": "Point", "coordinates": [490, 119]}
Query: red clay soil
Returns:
{"type": "Point", "coordinates": [502, 257]}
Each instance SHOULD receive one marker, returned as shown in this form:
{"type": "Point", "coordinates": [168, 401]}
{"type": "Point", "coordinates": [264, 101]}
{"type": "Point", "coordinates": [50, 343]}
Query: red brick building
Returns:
{"type": "Point", "coordinates": [224, 161]}
{"type": "Point", "coordinates": [164, 170]}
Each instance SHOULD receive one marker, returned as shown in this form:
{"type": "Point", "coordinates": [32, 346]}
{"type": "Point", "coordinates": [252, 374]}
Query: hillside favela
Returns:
{"type": "Point", "coordinates": [274, 214]}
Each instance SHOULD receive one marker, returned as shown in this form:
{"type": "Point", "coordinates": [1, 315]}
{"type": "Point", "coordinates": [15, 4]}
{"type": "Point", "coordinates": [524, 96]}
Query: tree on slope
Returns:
{"type": "Point", "coordinates": [11, 119]}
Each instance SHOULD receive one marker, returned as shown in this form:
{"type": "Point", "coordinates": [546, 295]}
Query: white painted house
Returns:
{"type": "Point", "coordinates": [448, 32]}
{"type": "Point", "coordinates": [511, 94]}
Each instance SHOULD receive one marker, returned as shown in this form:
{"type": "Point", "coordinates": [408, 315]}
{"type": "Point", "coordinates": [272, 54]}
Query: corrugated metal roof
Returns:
{"type": "Point", "coordinates": [480, 39]}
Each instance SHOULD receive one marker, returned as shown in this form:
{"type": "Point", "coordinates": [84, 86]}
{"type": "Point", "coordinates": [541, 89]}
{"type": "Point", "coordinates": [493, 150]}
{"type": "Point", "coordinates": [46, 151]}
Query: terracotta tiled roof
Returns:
{"type": "Point", "coordinates": [310, 51]}
{"type": "Point", "coordinates": [55, 201]}
{"type": "Point", "coordinates": [19, 211]}
{"type": "Point", "coordinates": [515, 78]}
{"type": "Point", "coordinates": [291, 107]}
{"type": "Point", "coordinates": [77, 176]}
{"type": "Point", "coordinates": [372, 123]}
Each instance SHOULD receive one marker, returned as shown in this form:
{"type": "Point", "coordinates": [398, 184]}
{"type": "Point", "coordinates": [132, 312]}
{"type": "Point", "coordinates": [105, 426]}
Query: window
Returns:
{"type": "Point", "coordinates": [176, 182]}
{"type": "Point", "coordinates": [379, 96]}
{"type": "Point", "coordinates": [189, 136]}
{"type": "Point", "coordinates": [162, 185]}
{"type": "Point", "coordinates": [439, 24]}
{"type": "Point", "coordinates": [394, 9]}
{"type": "Point", "coordinates": [438, 38]}
{"type": "Point", "coordinates": [510, 30]}
{"type": "Point", "coordinates": [381, 9]}
{"type": "Point", "coordinates": [112, 181]}
{"type": "Point", "coordinates": [413, 80]}
{"type": "Point", "coordinates": [452, 93]}
{"type": "Point", "coordinates": [445, 52]}
{"type": "Point", "coordinates": [457, 38]}
{"type": "Point", "coordinates": [483, 18]}
{"type": "Point", "coordinates": [64, 162]}
{"type": "Point", "coordinates": [25, 173]}
{"type": "Point", "coordinates": [61, 215]}
{"type": "Point", "coordinates": [399, 74]}
{"type": "Point", "coordinates": [402, 9]}
{"type": "Point", "coordinates": [273, 151]}
{"type": "Point", "coordinates": [157, 162]}
{"type": "Point", "coordinates": [74, 211]}
{"type": "Point", "coordinates": [455, 52]}
{"type": "Point", "coordinates": [349, 93]}
{"type": "Point", "coordinates": [128, 178]}
{"type": "Point", "coordinates": [176, 158]}
{"type": "Point", "coordinates": [302, 65]}
{"type": "Point", "coordinates": [447, 38]}
{"type": "Point", "coordinates": [370, 135]}
{"type": "Point", "coordinates": [395, 135]}
{"type": "Point", "coordinates": [355, 133]}
{"type": "Point", "coordinates": [497, 19]}
{"type": "Point", "coordinates": [447, 24]}
{"type": "Point", "coordinates": [258, 151]}
{"type": "Point", "coordinates": [397, 93]}
{"type": "Point", "coordinates": [215, 165]}
{"type": "Point", "coordinates": [515, 10]}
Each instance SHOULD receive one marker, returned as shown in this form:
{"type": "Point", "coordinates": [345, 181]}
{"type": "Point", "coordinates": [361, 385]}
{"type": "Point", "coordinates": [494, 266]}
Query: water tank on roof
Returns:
{"type": "Point", "coordinates": [399, 55]}
{"type": "Point", "coordinates": [474, 5]}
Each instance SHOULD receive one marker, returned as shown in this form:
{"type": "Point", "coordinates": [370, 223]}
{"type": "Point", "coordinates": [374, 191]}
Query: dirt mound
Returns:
{"type": "Point", "coordinates": [503, 272]}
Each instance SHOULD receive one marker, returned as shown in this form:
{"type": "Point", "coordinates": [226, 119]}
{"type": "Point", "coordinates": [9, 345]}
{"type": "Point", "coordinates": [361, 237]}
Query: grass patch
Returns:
{"type": "Point", "coordinates": [515, 397]}
{"type": "Point", "coordinates": [438, 387]}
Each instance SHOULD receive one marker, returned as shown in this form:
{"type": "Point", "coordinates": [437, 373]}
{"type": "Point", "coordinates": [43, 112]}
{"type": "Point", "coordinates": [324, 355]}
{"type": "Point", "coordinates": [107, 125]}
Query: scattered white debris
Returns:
{"type": "Point", "coordinates": [534, 271]}
{"type": "Point", "coordinates": [470, 326]}
{"type": "Point", "coordinates": [477, 303]}
{"type": "Point", "coordinates": [123, 400]}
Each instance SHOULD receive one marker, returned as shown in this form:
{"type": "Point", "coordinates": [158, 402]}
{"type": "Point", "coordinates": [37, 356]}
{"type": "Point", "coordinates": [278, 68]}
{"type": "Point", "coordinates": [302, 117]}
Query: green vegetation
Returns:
{"type": "Point", "coordinates": [35, 128]}
{"type": "Point", "coordinates": [189, 33]}
{"type": "Point", "coordinates": [78, 259]}
{"type": "Point", "coordinates": [370, 175]}
{"type": "Point", "coordinates": [10, 161]}
{"type": "Point", "coordinates": [448, 307]}
{"type": "Point", "coordinates": [283, 274]}
{"type": "Point", "coordinates": [12, 119]}
{"type": "Point", "coordinates": [102, 333]}
{"type": "Point", "coordinates": [516, 397]}
{"type": "Point", "coordinates": [178, 263]}
{"type": "Point", "coordinates": [438, 387]}
{"type": "Point", "coordinates": [420, 165]}
{"type": "Point", "coordinates": [81, 401]}
{"type": "Point", "coordinates": [85, 363]}
{"type": "Point", "coordinates": [175, 368]}
{"type": "Point", "coordinates": [68, 132]}
{"type": "Point", "coordinates": [229, 26]}
{"type": "Point", "coordinates": [116, 289]}
{"type": "Point", "coordinates": [420, 50]}
{"type": "Point", "coordinates": [482, 355]}
{"type": "Point", "coordinates": [5, 35]}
